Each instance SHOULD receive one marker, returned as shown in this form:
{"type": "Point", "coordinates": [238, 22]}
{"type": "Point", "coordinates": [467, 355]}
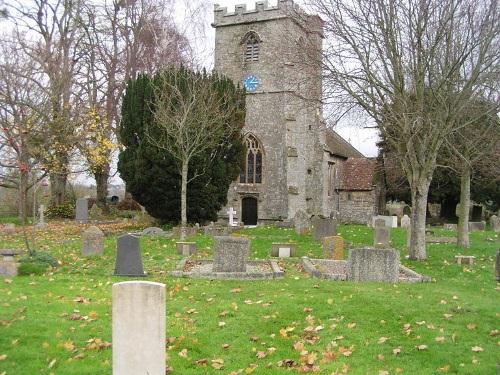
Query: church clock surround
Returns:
{"type": "Point", "coordinates": [251, 82]}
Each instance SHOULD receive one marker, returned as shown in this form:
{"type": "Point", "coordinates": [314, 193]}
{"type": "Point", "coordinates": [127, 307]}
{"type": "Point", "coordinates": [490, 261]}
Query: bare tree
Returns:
{"type": "Point", "coordinates": [194, 114]}
{"type": "Point", "coordinates": [413, 66]}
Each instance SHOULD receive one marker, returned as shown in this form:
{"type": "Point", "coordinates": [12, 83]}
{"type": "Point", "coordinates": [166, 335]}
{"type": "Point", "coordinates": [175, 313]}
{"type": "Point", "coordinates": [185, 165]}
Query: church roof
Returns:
{"type": "Point", "coordinates": [337, 145]}
{"type": "Point", "coordinates": [359, 173]}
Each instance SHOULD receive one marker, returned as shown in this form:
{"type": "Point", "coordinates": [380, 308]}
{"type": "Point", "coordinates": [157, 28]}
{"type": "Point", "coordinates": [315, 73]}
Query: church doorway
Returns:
{"type": "Point", "coordinates": [249, 211]}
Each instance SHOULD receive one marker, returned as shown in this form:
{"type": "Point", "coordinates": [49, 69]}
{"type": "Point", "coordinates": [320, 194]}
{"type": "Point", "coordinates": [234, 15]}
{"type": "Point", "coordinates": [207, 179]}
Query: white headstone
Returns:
{"type": "Point", "coordinates": [139, 334]}
{"type": "Point", "coordinates": [284, 252]}
{"type": "Point", "coordinates": [231, 212]}
{"type": "Point", "coordinates": [405, 222]}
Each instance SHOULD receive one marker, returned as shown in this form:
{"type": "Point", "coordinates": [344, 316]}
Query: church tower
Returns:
{"type": "Point", "coordinates": [264, 49]}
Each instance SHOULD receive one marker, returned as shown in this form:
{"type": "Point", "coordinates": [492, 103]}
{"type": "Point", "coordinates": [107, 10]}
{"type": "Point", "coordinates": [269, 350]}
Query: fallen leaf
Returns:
{"type": "Point", "coordinates": [3, 357]}
{"type": "Point", "coordinates": [396, 351]}
{"type": "Point", "coordinates": [183, 353]}
{"type": "Point", "coordinates": [351, 325]}
{"type": "Point", "coordinates": [471, 326]}
{"type": "Point", "coordinates": [261, 354]}
{"type": "Point", "coordinates": [439, 339]}
{"type": "Point", "coordinates": [218, 363]}
{"type": "Point", "coordinates": [382, 339]}
{"type": "Point", "coordinates": [202, 362]}
{"type": "Point", "coordinates": [421, 347]}
{"type": "Point", "coordinates": [477, 349]}
{"type": "Point", "coordinates": [445, 368]}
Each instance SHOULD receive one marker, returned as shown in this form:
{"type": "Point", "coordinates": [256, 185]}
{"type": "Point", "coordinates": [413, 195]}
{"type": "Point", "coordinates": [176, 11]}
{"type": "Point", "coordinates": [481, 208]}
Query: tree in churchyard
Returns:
{"type": "Point", "coordinates": [413, 66]}
{"type": "Point", "coordinates": [473, 143]}
{"type": "Point", "coordinates": [181, 129]}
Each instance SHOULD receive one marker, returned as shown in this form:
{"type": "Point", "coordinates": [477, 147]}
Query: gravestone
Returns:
{"type": "Point", "coordinates": [368, 264]}
{"type": "Point", "coordinates": [215, 230]}
{"type": "Point", "coordinates": [333, 247]}
{"type": "Point", "coordinates": [139, 330]}
{"type": "Point", "coordinates": [465, 259]}
{"type": "Point", "coordinates": [153, 231]}
{"type": "Point", "coordinates": [8, 265]}
{"type": "Point", "coordinates": [475, 226]}
{"type": "Point", "coordinates": [405, 222]}
{"type": "Point", "coordinates": [379, 223]}
{"type": "Point", "coordinates": [128, 257]}
{"type": "Point", "coordinates": [9, 228]}
{"type": "Point", "coordinates": [95, 212]}
{"type": "Point", "coordinates": [41, 218]}
{"type": "Point", "coordinates": [498, 266]}
{"type": "Point", "coordinates": [302, 223]}
{"type": "Point", "coordinates": [190, 231]}
{"type": "Point", "coordinates": [230, 254]}
{"type": "Point", "coordinates": [449, 226]}
{"type": "Point", "coordinates": [495, 223]}
{"type": "Point", "coordinates": [185, 248]}
{"type": "Point", "coordinates": [408, 237]}
{"type": "Point", "coordinates": [284, 249]}
{"type": "Point", "coordinates": [231, 212]}
{"type": "Point", "coordinates": [382, 236]}
{"type": "Point", "coordinates": [82, 210]}
{"type": "Point", "coordinates": [390, 221]}
{"type": "Point", "coordinates": [92, 241]}
{"type": "Point", "coordinates": [324, 227]}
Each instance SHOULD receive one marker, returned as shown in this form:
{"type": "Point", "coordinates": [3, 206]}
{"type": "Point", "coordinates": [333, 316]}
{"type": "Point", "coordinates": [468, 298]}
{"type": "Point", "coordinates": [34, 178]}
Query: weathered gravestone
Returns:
{"type": "Point", "coordinates": [495, 223]}
{"type": "Point", "coordinates": [153, 231]}
{"type": "Point", "coordinates": [449, 226]}
{"type": "Point", "coordinates": [95, 212]}
{"type": "Point", "coordinates": [185, 248]}
{"type": "Point", "coordinates": [215, 230]}
{"type": "Point", "coordinates": [301, 222]}
{"type": "Point", "coordinates": [82, 210]}
{"type": "Point", "coordinates": [324, 228]}
{"type": "Point", "coordinates": [41, 218]}
{"type": "Point", "coordinates": [465, 259]}
{"type": "Point", "coordinates": [284, 249]}
{"type": "Point", "coordinates": [189, 231]}
{"type": "Point", "coordinates": [368, 264]}
{"type": "Point", "coordinates": [333, 247]}
{"type": "Point", "coordinates": [230, 254]}
{"type": "Point", "coordinates": [390, 221]}
{"type": "Point", "coordinates": [139, 332]}
{"type": "Point", "coordinates": [405, 222]}
{"type": "Point", "coordinates": [92, 241]}
{"type": "Point", "coordinates": [9, 228]}
{"type": "Point", "coordinates": [8, 265]}
{"type": "Point", "coordinates": [382, 236]}
{"type": "Point", "coordinates": [379, 223]}
{"type": "Point", "coordinates": [475, 226]}
{"type": "Point", "coordinates": [128, 257]}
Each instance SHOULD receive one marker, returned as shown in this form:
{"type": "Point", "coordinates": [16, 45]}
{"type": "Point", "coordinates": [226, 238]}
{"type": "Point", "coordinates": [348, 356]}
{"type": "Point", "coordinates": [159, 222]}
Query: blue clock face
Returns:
{"type": "Point", "coordinates": [251, 82]}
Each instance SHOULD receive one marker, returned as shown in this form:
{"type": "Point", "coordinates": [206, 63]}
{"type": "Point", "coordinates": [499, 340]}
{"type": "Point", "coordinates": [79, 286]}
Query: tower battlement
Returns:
{"type": "Point", "coordinates": [261, 12]}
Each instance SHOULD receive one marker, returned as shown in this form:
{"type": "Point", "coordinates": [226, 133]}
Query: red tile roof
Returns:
{"type": "Point", "coordinates": [359, 173]}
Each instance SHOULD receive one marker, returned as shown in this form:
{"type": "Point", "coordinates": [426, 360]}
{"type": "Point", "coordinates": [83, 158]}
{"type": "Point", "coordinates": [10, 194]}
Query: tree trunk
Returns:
{"type": "Point", "coordinates": [463, 212]}
{"type": "Point", "coordinates": [58, 187]}
{"type": "Point", "coordinates": [101, 180]}
{"type": "Point", "coordinates": [184, 199]}
{"type": "Point", "coordinates": [23, 197]}
{"type": "Point", "coordinates": [419, 194]}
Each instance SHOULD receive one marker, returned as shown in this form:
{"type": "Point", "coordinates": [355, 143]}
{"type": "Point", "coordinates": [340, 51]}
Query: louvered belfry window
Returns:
{"type": "Point", "coordinates": [251, 171]}
{"type": "Point", "coordinates": [252, 47]}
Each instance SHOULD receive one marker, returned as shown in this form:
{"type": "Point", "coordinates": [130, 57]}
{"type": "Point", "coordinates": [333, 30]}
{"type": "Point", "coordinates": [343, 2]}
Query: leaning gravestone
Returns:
{"type": "Point", "coordinates": [369, 264]}
{"type": "Point", "coordinates": [382, 236]}
{"type": "Point", "coordinates": [230, 254]}
{"type": "Point", "coordinates": [92, 241]}
{"type": "Point", "coordinates": [495, 223]}
{"type": "Point", "coordinates": [475, 226]}
{"type": "Point", "coordinates": [139, 330]}
{"type": "Point", "coordinates": [333, 247]}
{"type": "Point", "coordinates": [82, 210]}
{"type": "Point", "coordinates": [324, 228]}
{"type": "Point", "coordinates": [405, 222]}
{"type": "Point", "coordinates": [128, 257]}
{"type": "Point", "coordinates": [301, 222]}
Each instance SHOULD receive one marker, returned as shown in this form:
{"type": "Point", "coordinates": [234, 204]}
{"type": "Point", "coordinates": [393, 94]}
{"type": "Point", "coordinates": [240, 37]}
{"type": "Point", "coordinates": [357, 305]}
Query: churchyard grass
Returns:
{"type": "Point", "coordinates": [60, 323]}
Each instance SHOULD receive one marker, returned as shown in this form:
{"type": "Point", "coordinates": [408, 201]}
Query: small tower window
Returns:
{"type": "Point", "coordinates": [251, 41]}
{"type": "Point", "coordinates": [251, 171]}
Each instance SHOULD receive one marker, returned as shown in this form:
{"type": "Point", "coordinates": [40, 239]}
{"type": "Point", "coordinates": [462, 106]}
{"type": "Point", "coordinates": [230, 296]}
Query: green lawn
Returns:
{"type": "Point", "coordinates": [54, 324]}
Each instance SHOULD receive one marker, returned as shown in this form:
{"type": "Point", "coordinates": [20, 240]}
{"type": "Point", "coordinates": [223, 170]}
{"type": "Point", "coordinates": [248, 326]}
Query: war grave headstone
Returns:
{"type": "Point", "coordinates": [9, 228]}
{"type": "Point", "coordinates": [8, 264]}
{"type": "Point", "coordinates": [495, 223]}
{"type": "Point", "coordinates": [284, 249]}
{"type": "Point", "coordinates": [367, 264]}
{"type": "Point", "coordinates": [323, 227]}
{"type": "Point", "coordinates": [230, 262]}
{"type": "Point", "coordinates": [382, 234]}
{"type": "Point", "coordinates": [128, 257]}
{"type": "Point", "coordinates": [82, 210]}
{"type": "Point", "coordinates": [92, 241]}
{"type": "Point", "coordinates": [186, 249]}
{"type": "Point", "coordinates": [302, 223]}
{"type": "Point", "coordinates": [138, 328]}
{"type": "Point", "coordinates": [476, 226]}
{"type": "Point", "coordinates": [450, 226]}
{"type": "Point", "coordinates": [405, 222]}
{"type": "Point", "coordinates": [333, 247]}
{"type": "Point", "coordinates": [41, 224]}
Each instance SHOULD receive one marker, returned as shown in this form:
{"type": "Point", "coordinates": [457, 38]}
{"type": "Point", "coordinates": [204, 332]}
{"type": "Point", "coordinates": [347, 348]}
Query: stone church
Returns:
{"type": "Point", "coordinates": [293, 162]}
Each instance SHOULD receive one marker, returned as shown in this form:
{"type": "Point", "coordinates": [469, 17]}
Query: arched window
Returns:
{"type": "Point", "coordinates": [251, 171]}
{"type": "Point", "coordinates": [251, 41]}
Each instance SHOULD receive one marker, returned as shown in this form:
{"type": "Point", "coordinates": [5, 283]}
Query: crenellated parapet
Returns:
{"type": "Point", "coordinates": [261, 12]}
